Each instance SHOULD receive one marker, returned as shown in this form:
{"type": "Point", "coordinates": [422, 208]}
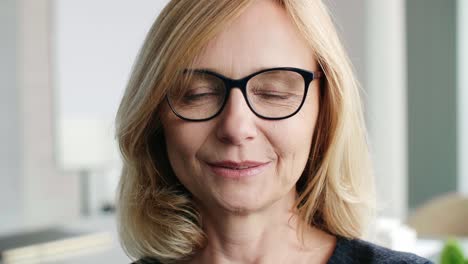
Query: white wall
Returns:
{"type": "Point", "coordinates": [10, 152]}
{"type": "Point", "coordinates": [462, 90]}
{"type": "Point", "coordinates": [387, 110]}
{"type": "Point", "coordinates": [373, 31]}
{"type": "Point", "coordinates": [48, 195]}
{"type": "Point", "coordinates": [94, 46]}
{"type": "Point", "coordinates": [350, 20]}
{"type": "Point", "coordinates": [32, 191]}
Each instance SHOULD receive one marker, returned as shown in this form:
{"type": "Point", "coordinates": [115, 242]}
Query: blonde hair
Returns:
{"type": "Point", "coordinates": [156, 215]}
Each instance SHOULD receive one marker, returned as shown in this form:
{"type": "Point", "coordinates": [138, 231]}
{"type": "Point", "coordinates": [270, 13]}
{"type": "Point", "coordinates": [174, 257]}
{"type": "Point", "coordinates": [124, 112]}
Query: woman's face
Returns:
{"type": "Point", "coordinates": [237, 161]}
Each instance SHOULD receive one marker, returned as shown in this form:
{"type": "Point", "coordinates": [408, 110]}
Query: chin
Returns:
{"type": "Point", "coordinates": [246, 204]}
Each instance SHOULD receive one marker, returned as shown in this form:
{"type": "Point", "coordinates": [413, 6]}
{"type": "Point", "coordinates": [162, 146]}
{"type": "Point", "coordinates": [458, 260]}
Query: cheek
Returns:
{"type": "Point", "coordinates": [183, 142]}
{"type": "Point", "coordinates": [179, 143]}
{"type": "Point", "coordinates": [181, 150]}
{"type": "Point", "coordinates": [293, 146]}
{"type": "Point", "coordinates": [293, 138]}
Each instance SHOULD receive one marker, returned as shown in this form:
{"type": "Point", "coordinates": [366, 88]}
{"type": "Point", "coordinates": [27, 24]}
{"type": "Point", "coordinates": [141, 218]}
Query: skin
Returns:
{"type": "Point", "coordinates": [250, 220]}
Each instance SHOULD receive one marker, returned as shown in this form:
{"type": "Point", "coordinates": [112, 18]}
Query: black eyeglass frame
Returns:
{"type": "Point", "coordinates": [241, 84]}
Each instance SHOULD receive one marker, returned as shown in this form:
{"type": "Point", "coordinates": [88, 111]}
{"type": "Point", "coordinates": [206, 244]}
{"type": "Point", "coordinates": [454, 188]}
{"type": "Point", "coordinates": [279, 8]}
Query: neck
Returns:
{"type": "Point", "coordinates": [264, 236]}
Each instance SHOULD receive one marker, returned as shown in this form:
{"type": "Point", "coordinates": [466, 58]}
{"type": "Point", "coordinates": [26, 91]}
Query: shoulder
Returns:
{"type": "Point", "coordinates": [360, 251]}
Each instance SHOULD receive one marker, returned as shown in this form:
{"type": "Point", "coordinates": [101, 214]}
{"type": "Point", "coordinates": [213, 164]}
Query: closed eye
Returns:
{"type": "Point", "coordinates": [199, 95]}
{"type": "Point", "coordinates": [265, 94]}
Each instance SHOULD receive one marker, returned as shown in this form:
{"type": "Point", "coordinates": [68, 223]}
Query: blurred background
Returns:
{"type": "Point", "coordinates": [64, 65]}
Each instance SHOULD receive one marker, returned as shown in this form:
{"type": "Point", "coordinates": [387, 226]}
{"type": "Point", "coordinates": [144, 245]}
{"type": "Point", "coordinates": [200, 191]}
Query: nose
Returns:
{"type": "Point", "coordinates": [237, 122]}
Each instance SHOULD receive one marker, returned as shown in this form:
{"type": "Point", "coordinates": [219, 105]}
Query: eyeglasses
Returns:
{"type": "Point", "coordinates": [272, 94]}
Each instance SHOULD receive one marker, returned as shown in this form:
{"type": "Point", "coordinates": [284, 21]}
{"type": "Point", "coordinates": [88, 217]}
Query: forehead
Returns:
{"type": "Point", "coordinates": [263, 36]}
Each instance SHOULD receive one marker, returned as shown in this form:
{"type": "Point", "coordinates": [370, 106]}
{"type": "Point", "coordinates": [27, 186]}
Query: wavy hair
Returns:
{"type": "Point", "coordinates": [156, 215]}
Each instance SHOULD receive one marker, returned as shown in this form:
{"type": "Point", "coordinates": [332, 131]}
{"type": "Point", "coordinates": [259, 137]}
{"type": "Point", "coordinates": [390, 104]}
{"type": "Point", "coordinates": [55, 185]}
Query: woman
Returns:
{"type": "Point", "coordinates": [243, 140]}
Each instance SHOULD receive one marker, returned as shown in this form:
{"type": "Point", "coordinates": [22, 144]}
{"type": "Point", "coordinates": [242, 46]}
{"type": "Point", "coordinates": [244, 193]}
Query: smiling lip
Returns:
{"type": "Point", "coordinates": [235, 170]}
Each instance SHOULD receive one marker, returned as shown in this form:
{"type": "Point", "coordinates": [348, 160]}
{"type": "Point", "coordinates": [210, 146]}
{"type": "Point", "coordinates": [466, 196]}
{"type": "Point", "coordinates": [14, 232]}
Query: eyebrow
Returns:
{"type": "Point", "coordinates": [218, 72]}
